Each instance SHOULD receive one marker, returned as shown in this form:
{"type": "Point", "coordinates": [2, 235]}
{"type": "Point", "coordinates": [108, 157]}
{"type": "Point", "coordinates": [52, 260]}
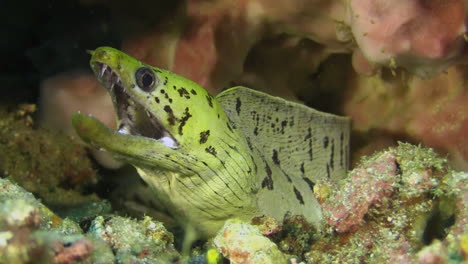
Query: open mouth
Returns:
{"type": "Point", "coordinates": [133, 117]}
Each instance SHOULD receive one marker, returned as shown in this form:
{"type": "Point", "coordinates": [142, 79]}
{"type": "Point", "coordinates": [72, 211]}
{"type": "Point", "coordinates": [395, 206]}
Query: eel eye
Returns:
{"type": "Point", "coordinates": [146, 79]}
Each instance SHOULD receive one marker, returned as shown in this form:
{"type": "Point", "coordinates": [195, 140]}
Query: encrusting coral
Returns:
{"type": "Point", "coordinates": [31, 233]}
{"type": "Point", "coordinates": [395, 206]}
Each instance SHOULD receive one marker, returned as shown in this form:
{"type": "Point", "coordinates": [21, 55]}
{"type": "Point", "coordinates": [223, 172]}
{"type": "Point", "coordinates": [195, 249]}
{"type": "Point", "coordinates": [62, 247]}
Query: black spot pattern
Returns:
{"type": "Point", "coordinates": [238, 105]}
{"type": "Point", "coordinates": [193, 92]}
{"type": "Point", "coordinates": [274, 157]}
{"type": "Point", "coordinates": [233, 148]}
{"type": "Point", "coordinates": [249, 143]}
{"type": "Point", "coordinates": [268, 180]}
{"type": "Point", "coordinates": [209, 98]}
{"type": "Point", "coordinates": [204, 136]}
{"type": "Point", "coordinates": [284, 123]}
{"type": "Point", "coordinates": [184, 119]}
{"type": "Point", "coordinates": [298, 196]}
{"type": "Point", "coordinates": [211, 150]}
{"type": "Point", "coordinates": [229, 127]}
{"type": "Point", "coordinates": [255, 164]}
{"type": "Point", "coordinates": [171, 119]}
{"type": "Point", "coordinates": [309, 134]}
{"type": "Point", "coordinates": [183, 93]}
{"type": "Point", "coordinates": [325, 142]}
{"type": "Point", "coordinates": [310, 183]}
{"type": "Point", "coordinates": [308, 138]}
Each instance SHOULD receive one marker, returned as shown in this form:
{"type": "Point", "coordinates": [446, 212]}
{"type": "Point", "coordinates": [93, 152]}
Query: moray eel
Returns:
{"type": "Point", "coordinates": [240, 154]}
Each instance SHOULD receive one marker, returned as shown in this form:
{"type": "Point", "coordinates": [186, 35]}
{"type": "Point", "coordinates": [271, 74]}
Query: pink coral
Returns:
{"type": "Point", "coordinates": [431, 111]}
{"type": "Point", "coordinates": [424, 36]}
{"type": "Point", "coordinates": [396, 194]}
{"type": "Point", "coordinates": [213, 46]}
{"type": "Point", "coordinates": [76, 251]}
{"type": "Point", "coordinates": [366, 187]}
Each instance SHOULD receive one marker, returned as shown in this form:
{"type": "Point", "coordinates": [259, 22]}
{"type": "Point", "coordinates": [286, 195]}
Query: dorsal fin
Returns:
{"type": "Point", "coordinates": [305, 143]}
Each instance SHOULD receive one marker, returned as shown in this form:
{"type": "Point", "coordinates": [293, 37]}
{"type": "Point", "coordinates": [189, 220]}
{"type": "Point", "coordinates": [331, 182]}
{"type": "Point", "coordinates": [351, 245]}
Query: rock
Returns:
{"type": "Point", "coordinates": [243, 243]}
{"type": "Point", "coordinates": [133, 241]}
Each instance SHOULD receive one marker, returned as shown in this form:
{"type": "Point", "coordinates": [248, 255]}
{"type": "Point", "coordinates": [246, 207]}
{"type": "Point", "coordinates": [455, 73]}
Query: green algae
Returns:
{"type": "Point", "coordinates": [46, 163]}
{"type": "Point", "coordinates": [413, 158]}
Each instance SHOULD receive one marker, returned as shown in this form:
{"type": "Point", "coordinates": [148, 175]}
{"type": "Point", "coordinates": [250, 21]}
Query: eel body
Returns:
{"type": "Point", "coordinates": [240, 154]}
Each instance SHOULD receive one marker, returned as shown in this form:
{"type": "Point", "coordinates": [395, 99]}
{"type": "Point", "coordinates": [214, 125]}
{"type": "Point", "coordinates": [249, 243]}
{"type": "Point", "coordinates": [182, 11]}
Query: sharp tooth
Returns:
{"type": "Point", "coordinates": [168, 142]}
{"type": "Point", "coordinates": [124, 130]}
{"type": "Point", "coordinates": [148, 114]}
{"type": "Point", "coordinates": [103, 69]}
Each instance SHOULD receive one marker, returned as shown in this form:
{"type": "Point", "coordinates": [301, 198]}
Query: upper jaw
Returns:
{"type": "Point", "coordinates": [133, 117]}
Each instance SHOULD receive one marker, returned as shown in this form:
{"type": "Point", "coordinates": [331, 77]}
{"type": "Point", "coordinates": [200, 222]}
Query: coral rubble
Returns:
{"type": "Point", "coordinates": [398, 206]}
{"type": "Point", "coordinates": [243, 243]}
{"type": "Point", "coordinates": [47, 163]}
{"type": "Point", "coordinates": [132, 241]}
{"type": "Point", "coordinates": [31, 233]}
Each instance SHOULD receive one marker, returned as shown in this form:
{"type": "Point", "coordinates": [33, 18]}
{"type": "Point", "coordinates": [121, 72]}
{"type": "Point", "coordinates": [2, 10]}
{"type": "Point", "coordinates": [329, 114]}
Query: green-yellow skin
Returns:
{"type": "Point", "coordinates": [237, 155]}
